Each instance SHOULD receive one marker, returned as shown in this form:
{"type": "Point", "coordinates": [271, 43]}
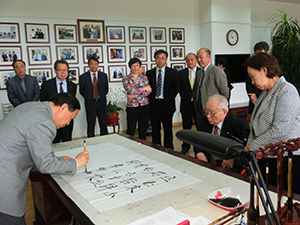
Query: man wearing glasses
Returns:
{"type": "Point", "coordinates": [219, 121]}
{"type": "Point", "coordinates": [60, 84]}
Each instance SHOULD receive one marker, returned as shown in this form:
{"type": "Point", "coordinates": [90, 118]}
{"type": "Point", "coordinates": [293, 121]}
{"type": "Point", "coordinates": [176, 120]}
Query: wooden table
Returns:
{"type": "Point", "coordinates": [190, 200]}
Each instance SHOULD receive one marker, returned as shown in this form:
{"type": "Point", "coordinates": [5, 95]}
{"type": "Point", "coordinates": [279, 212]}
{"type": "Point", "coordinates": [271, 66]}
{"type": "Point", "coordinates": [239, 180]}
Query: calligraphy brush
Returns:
{"type": "Point", "coordinates": [232, 212]}
{"type": "Point", "coordinates": [84, 146]}
{"type": "Point", "coordinates": [290, 193]}
{"type": "Point", "coordinates": [236, 215]}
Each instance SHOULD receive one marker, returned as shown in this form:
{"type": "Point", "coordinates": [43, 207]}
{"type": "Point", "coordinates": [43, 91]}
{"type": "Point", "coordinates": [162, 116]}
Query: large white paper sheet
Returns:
{"type": "Point", "coordinates": [120, 176]}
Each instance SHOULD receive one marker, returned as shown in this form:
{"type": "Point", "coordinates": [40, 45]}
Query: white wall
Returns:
{"type": "Point", "coordinates": [206, 24]}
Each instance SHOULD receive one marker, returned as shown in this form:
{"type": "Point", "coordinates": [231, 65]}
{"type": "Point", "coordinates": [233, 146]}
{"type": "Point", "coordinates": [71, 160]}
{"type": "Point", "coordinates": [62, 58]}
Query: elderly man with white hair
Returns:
{"type": "Point", "coordinates": [219, 121]}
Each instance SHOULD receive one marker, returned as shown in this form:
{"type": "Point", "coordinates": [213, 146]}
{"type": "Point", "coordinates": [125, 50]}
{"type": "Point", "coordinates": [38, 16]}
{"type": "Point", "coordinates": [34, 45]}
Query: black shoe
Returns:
{"type": "Point", "coordinates": [184, 151]}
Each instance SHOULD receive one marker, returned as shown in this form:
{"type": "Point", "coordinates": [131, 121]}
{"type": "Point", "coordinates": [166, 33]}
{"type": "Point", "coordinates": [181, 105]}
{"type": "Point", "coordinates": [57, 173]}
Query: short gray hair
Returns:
{"type": "Point", "coordinates": [222, 101]}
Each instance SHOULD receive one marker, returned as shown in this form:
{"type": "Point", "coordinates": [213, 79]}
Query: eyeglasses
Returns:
{"type": "Point", "coordinates": [162, 59]}
{"type": "Point", "coordinates": [210, 113]}
{"type": "Point", "coordinates": [61, 70]}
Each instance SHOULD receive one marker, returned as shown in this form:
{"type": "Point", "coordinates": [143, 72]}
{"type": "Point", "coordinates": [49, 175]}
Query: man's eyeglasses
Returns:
{"type": "Point", "coordinates": [61, 70]}
{"type": "Point", "coordinates": [210, 113]}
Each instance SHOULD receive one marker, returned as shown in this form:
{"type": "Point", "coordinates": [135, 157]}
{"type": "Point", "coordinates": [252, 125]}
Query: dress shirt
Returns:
{"type": "Point", "coordinates": [92, 75]}
{"type": "Point", "coordinates": [161, 96]}
{"type": "Point", "coordinates": [64, 86]}
{"type": "Point", "coordinates": [219, 126]}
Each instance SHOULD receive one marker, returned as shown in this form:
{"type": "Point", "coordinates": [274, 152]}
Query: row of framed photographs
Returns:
{"type": "Point", "coordinates": [41, 55]}
{"type": "Point", "coordinates": [115, 73]}
{"type": "Point", "coordinates": [90, 31]}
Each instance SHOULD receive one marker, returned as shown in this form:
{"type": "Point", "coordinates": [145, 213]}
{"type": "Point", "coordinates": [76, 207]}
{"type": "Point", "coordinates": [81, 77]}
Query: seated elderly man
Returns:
{"type": "Point", "coordinates": [219, 121]}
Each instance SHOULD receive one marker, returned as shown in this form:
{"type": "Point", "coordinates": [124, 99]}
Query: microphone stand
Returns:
{"type": "Point", "coordinates": [248, 158]}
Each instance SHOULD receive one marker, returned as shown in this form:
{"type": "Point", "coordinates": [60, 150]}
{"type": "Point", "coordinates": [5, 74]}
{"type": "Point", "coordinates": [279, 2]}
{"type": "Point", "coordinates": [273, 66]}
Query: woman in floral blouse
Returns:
{"type": "Point", "coordinates": [137, 88]}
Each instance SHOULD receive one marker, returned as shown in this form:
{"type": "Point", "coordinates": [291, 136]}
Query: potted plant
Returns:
{"type": "Point", "coordinates": [285, 38]}
{"type": "Point", "coordinates": [114, 96]}
{"type": "Point", "coordinates": [112, 112]}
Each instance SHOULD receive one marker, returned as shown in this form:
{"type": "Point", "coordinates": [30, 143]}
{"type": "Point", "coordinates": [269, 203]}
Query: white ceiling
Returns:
{"type": "Point", "coordinates": [288, 1]}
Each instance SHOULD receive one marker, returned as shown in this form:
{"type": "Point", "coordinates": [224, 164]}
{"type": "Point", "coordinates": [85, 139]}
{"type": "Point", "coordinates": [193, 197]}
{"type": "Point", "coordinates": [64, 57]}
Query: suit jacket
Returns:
{"type": "Point", "coordinates": [185, 91]}
{"type": "Point", "coordinates": [276, 116]}
{"type": "Point", "coordinates": [214, 82]}
{"type": "Point", "coordinates": [86, 90]}
{"type": "Point", "coordinates": [16, 94]}
{"type": "Point", "coordinates": [49, 89]}
{"type": "Point", "coordinates": [233, 128]}
{"type": "Point", "coordinates": [170, 89]}
{"type": "Point", "coordinates": [26, 140]}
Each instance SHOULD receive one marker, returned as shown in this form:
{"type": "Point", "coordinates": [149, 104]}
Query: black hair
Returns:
{"type": "Point", "coordinates": [93, 58]}
{"type": "Point", "coordinates": [223, 61]}
{"type": "Point", "coordinates": [133, 61]}
{"type": "Point", "coordinates": [66, 98]}
{"type": "Point", "coordinates": [262, 45]}
{"type": "Point", "coordinates": [159, 52]}
{"type": "Point", "coordinates": [61, 61]}
{"type": "Point", "coordinates": [18, 60]}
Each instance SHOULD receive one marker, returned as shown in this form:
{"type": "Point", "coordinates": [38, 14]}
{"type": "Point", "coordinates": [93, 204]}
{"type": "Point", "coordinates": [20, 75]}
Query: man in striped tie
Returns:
{"type": "Point", "coordinates": [165, 86]}
{"type": "Point", "coordinates": [219, 121]}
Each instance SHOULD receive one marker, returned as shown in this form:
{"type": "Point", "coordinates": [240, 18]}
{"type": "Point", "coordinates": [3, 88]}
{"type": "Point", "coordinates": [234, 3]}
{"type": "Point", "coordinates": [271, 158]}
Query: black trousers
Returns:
{"type": "Point", "coordinates": [138, 115]}
{"type": "Point", "coordinates": [91, 120]}
{"type": "Point", "coordinates": [187, 123]}
{"type": "Point", "coordinates": [64, 134]}
{"type": "Point", "coordinates": [11, 220]}
{"type": "Point", "coordinates": [273, 172]}
{"type": "Point", "coordinates": [158, 115]}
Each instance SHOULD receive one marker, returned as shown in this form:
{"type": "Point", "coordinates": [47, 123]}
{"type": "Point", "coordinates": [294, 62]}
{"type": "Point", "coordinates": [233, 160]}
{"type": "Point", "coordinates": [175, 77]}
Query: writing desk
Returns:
{"type": "Point", "coordinates": [191, 200]}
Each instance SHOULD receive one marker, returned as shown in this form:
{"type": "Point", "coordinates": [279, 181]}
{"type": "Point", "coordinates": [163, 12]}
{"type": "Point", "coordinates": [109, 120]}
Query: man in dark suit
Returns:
{"type": "Point", "coordinates": [22, 87]}
{"type": "Point", "coordinates": [165, 86]}
{"type": "Point", "coordinates": [219, 121]}
{"type": "Point", "coordinates": [93, 86]}
{"type": "Point", "coordinates": [60, 84]}
{"type": "Point", "coordinates": [187, 79]}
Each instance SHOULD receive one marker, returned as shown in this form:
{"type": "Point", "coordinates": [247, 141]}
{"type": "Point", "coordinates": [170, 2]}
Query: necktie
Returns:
{"type": "Point", "coordinates": [192, 79]}
{"type": "Point", "coordinates": [95, 89]}
{"type": "Point", "coordinates": [61, 90]}
{"type": "Point", "coordinates": [216, 130]}
{"type": "Point", "coordinates": [23, 84]}
{"type": "Point", "coordinates": [158, 84]}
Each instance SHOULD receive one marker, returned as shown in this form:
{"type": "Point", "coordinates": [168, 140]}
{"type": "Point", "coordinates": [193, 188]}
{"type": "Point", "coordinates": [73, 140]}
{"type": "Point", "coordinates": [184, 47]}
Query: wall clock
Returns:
{"type": "Point", "coordinates": [232, 37]}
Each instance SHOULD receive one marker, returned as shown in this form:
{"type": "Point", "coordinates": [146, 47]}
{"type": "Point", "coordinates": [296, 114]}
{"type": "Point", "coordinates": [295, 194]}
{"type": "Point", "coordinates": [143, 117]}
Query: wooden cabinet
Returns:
{"type": "Point", "coordinates": [242, 112]}
{"type": "Point", "coordinates": [49, 209]}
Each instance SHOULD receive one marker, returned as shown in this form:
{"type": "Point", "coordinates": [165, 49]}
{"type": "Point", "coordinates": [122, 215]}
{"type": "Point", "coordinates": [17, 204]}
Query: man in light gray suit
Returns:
{"type": "Point", "coordinates": [26, 137]}
{"type": "Point", "coordinates": [210, 80]}
{"type": "Point", "coordinates": [22, 88]}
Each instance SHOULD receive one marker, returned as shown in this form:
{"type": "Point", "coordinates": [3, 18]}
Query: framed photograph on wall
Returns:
{"type": "Point", "coordinates": [155, 49]}
{"type": "Point", "coordinates": [65, 33]}
{"type": "Point", "coordinates": [137, 35]}
{"type": "Point", "coordinates": [68, 53]}
{"type": "Point", "coordinates": [100, 68]}
{"type": "Point", "coordinates": [91, 31]}
{"type": "Point", "coordinates": [37, 33]}
{"type": "Point", "coordinates": [176, 35]}
{"type": "Point", "coordinates": [89, 51]}
{"type": "Point", "coordinates": [74, 74]}
{"type": "Point", "coordinates": [116, 73]}
{"type": "Point", "coordinates": [41, 74]}
{"type": "Point", "coordinates": [115, 34]}
{"type": "Point", "coordinates": [39, 55]}
{"type": "Point", "coordinates": [9, 33]}
{"type": "Point", "coordinates": [177, 53]}
{"type": "Point", "coordinates": [178, 66]}
{"type": "Point", "coordinates": [116, 54]}
{"type": "Point", "coordinates": [143, 69]}
{"type": "Point", "coordinates": [5, 75]}
{"type": "Point", "coordinates": [9, 54]}
{"type": "Point", "coordinates": [139, 52]}
{"type": "Point", "coordinates": [157, 35]}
